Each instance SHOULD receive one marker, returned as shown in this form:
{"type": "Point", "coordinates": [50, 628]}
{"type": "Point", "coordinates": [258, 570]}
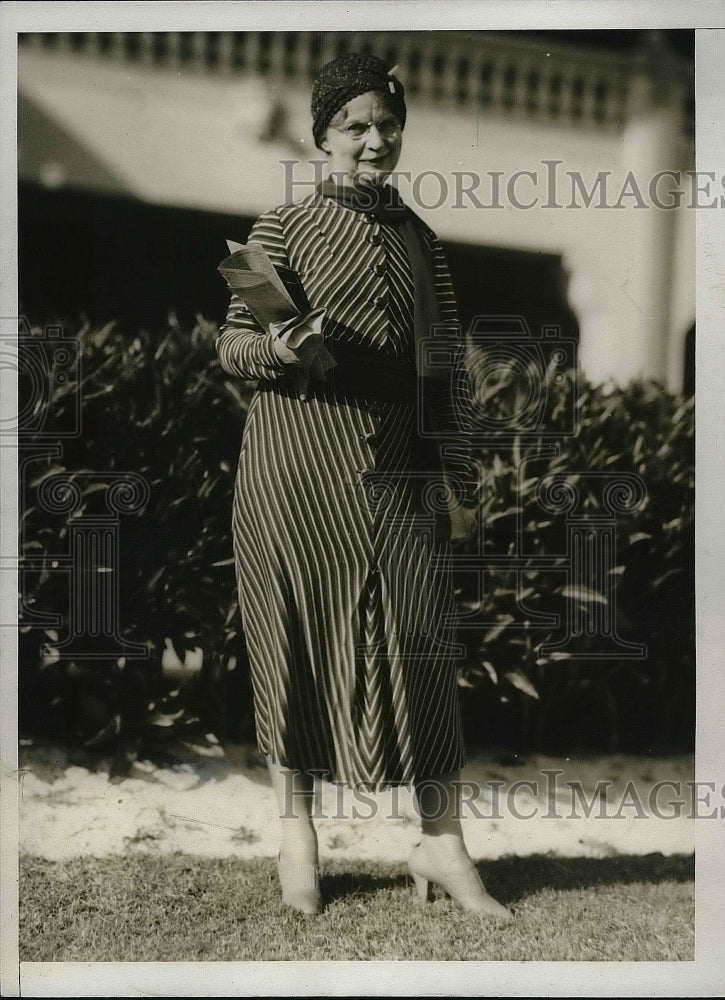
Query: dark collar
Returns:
{"type": "Point", "coordinates": [382, 201]}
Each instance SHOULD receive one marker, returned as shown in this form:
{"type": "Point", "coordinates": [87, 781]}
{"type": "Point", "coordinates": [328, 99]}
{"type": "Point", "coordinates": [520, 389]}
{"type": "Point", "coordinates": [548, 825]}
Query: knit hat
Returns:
{"type": "Point", "coordinates": [347, 77]}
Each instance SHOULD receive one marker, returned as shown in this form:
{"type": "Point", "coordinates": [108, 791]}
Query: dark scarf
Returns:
{"type": "Point", "coordinates": [384, 204]}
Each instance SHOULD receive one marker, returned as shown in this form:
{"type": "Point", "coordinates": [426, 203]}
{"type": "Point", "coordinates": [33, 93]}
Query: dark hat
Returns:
{"type": "Point", "coordinates": [347, 77]}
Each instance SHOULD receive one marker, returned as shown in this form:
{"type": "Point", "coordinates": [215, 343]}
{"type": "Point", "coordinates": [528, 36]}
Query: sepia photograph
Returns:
{"type": "Point", "coordinates": [354, 636]}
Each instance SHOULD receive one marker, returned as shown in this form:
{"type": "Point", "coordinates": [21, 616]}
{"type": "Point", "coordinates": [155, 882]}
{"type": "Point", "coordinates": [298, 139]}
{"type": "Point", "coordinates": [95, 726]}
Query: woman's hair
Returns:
{"type": "Point", "coordinates": [349, 76]}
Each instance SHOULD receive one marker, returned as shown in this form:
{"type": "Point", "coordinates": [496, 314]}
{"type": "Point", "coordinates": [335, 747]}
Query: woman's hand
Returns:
{"type": "Point", "coordinates": [463, 523]}
{"type": "Point", "coordinates": [299, 341]}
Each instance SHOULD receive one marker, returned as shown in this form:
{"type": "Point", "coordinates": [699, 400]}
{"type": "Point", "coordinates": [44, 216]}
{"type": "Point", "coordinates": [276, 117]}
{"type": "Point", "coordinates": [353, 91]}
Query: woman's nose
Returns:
{"type": "Point", "coordinates": [375, 140]}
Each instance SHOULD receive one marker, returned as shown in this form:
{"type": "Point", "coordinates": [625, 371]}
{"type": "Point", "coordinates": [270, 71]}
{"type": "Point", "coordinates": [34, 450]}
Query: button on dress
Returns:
{"type": "Point", "coordinates": [345, 592]}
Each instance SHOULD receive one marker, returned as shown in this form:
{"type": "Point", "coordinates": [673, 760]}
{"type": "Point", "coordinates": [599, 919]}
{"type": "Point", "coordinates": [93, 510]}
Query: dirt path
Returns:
{"type": "Point", "coordinates": [227, 809]}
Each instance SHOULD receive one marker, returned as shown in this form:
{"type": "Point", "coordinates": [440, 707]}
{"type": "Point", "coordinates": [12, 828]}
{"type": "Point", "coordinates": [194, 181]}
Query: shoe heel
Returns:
{"type": "Point", "coordinates": [423, 889]}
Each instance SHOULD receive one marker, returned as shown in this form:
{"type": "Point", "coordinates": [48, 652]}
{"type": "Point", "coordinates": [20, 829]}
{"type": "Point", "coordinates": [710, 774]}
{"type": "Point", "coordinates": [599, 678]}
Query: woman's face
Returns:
{"type": "Point", "coordinates": [364, 139]}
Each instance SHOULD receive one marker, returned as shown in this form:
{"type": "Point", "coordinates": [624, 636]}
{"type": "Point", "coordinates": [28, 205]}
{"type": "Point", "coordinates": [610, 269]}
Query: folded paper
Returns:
{"type": "Point", "coordinates": [276, 298]}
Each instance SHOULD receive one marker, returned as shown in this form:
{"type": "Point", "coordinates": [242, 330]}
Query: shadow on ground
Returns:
{"type": "Point", "coordinates": [513, 879]}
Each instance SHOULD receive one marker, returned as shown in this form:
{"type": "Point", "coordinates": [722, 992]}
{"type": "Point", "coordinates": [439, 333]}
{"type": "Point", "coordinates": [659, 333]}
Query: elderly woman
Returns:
{"type": "Point", "coordinates": [341, 540]}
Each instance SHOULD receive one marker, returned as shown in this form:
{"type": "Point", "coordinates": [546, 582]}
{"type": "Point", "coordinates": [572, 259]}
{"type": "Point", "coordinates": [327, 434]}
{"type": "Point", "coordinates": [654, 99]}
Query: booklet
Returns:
{"type": "Point", "coordinates": [250, 273]}
{"type": "Point", "coordinates": [275, 296]}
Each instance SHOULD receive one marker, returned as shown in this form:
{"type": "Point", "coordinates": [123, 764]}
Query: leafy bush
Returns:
{"type": "Point", "coordinates": [161, 408]}
{"type": "Point", "coordinates": [631, 448]}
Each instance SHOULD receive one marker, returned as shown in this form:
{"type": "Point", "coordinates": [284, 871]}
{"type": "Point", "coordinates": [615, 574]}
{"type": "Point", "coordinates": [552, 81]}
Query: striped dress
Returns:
{"type": "Point", "coordinates": [345, 592]}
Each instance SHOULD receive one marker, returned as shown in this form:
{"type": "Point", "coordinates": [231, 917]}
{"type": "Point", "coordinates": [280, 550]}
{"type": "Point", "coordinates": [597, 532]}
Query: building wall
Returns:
{"type": "Point", "coordinates": [172, 134]}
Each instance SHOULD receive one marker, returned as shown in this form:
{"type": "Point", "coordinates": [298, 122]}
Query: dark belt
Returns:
{"type": "Point", "coordinates": [360, 372]}
{"type": "Point", "coordinates": [368, 373]}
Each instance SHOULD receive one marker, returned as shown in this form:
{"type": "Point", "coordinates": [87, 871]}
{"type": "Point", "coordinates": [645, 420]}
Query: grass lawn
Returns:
{"type": "Point", "coordinates": [150, 908]}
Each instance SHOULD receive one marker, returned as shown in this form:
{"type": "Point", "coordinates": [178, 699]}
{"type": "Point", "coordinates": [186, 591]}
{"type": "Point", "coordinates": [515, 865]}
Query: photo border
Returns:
{"type": "Point", "coordinates": [706, 974]}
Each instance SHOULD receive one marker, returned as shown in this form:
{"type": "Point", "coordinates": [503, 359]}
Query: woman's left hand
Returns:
{"type": "Point", "coordinates": [463, 523]}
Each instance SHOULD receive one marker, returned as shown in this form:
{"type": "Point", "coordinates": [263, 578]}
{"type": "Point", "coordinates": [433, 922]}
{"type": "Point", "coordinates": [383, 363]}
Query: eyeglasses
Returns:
{"type": "Point", "coordinates": [387, 129]}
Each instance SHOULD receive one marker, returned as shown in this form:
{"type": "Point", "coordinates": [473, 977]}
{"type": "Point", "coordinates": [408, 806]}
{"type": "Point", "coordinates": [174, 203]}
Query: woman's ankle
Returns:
{"type": "Point", "coordinates": [298, 845]}
{"type": "Point", "coordinates": [446, 848]}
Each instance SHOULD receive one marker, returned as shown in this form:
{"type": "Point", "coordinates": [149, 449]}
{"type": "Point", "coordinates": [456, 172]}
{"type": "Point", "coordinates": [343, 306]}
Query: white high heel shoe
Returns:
{"type": "Point", "coordinates": [464, 886]}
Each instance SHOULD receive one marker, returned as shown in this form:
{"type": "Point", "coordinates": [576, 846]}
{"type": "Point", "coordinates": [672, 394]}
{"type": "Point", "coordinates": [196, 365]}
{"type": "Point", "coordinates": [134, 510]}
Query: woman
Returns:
{"type": "Point", "coordinates": [341, 545]}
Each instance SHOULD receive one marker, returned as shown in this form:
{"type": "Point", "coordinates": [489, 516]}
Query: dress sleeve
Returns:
{"type": "Point", "coordinates": [243, 346]}
{"type": "Point", "coordinates": [458, 421]}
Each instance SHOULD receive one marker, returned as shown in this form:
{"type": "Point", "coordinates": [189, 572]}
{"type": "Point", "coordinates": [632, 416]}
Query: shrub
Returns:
{"type": "Point", "coordinates": [641, 437]}
{"type": "Point", "coordinates": [160, 407]}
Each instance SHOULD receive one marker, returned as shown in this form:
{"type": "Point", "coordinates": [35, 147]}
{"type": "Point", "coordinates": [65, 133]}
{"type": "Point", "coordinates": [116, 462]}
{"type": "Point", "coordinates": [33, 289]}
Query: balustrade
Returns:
{"type": "Point", "coordinates": [502, 73]}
